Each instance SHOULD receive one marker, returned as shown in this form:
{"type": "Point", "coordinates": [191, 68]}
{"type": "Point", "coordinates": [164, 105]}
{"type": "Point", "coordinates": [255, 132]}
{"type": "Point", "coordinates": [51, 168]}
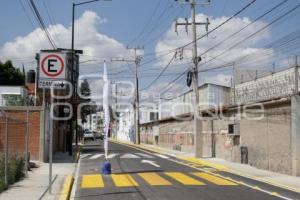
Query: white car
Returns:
{"type": "Point", "coordinates": [89, 136]}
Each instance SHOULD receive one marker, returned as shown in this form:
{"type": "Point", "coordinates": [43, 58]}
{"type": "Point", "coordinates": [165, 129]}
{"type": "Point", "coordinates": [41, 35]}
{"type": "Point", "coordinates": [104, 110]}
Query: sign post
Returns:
{"type": "Point", "coordinates": [50, 153]}
{"type": "Point", "coordinates": [52, 75]}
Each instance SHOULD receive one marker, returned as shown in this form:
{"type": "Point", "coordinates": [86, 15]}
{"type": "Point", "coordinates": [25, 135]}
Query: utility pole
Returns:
{"type": "Point", "coordinates": [137, 60]}
{"type": "Point", "coordinates": [296, 76]}
{"type": "Point", "coordinates": [197, 114]}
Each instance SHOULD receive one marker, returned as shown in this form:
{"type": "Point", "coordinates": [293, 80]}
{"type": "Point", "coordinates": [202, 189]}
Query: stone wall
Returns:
{"type": "Point", "coordinates": [269, 140]}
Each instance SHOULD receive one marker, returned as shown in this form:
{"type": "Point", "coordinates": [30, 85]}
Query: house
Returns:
{"type": "Point", "coordinates": [12, 93]}
{"type": "Point", "coordinates": [210, 96]}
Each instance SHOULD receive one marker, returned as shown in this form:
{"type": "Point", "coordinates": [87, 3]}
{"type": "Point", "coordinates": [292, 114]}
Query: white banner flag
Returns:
{"type": "Point", "coordinates": [106, 109]}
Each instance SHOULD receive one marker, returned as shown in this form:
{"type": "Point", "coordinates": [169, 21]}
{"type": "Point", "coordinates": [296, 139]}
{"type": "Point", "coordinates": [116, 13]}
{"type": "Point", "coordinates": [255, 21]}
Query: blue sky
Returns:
{"type": "Point", "coordinates": [126, 17]}
{"type": "Point", "coordinates": [124, 21]}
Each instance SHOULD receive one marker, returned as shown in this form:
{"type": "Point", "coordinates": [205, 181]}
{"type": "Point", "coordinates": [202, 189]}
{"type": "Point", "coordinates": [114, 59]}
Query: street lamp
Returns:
{"type": "Point", "coordinates": [72, 63]}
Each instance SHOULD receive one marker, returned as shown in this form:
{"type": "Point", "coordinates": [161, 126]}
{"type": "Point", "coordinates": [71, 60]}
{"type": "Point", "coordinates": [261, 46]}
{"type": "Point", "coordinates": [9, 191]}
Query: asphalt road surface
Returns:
{"type": "Point", "coordinates": [140, 174]}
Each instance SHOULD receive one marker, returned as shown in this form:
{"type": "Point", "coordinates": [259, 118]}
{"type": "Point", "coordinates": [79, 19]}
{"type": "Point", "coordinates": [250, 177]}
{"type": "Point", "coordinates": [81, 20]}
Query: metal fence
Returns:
{"type": "Point", "coordinates": [14, 139]}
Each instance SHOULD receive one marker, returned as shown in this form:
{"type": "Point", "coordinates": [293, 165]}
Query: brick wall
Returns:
{"type": "Point", "coordinates": [17, 131]}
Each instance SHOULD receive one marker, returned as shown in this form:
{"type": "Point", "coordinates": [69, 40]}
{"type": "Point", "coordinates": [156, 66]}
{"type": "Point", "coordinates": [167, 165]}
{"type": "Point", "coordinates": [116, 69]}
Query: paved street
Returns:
{"type": "Point", "coordinates": [140, 174]}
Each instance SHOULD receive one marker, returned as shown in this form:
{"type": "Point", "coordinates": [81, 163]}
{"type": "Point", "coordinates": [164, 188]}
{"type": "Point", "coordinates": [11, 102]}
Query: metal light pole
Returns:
{"type": "Point", "coordinates": [74, 78]}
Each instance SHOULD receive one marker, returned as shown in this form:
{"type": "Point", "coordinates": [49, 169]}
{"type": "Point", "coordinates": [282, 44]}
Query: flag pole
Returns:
{"type": "Point", "coordinates": [106, 167]}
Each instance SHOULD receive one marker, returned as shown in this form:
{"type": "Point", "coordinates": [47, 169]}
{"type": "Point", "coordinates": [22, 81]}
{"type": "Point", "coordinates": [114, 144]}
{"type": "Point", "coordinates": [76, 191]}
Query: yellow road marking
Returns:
{"type": "Point", "coordinates": [154, 179]}
{"type": "Point", "coordinates": [214, 179]}
{"type": "Point", "coordinates": [92, 181]}
{"type": "Point", "coordinates": [123, 180]}
{"type": "Point", "coordinates": [65, 193]}
{"type": "Point", "coordinates": [274, 194]}
{"type": "Point", "coordinates": [184, 179]}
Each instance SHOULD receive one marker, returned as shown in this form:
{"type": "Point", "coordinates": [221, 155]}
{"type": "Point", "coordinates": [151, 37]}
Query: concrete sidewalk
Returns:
{"type": "Point", "coordinates": [280, 180]}
{"type": "Point", "coordinates": [35, 186]}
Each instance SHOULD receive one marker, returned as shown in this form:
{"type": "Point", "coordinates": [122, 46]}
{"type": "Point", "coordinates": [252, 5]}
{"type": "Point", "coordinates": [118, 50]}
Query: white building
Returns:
{"type": "Point", "coordinates": [279, 84]}
{"type": "Point", "coordinates": [210, 96]}
{"type": "Point", "coordinates": [15, 92]}
{"type": "Point", "coordinates": [125, 129]}
{"type": "Point", "coordinates": [94, 122]}
{"type": "Point", "coordinates": [148, 113]}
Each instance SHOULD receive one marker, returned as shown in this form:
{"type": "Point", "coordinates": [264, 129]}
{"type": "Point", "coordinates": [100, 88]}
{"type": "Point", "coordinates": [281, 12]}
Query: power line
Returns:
{"type": "Point", "coordinates": [254, 57]}
{"type": "Point", "coordinates": [204, 35]}
{"type": "Point", "coordinates": [153, 39]}
{"type": "Point", "coordinates": [174, 81]}
{"type": "Point", "coordinates": [160, 74]}
{"type": "Point", "coordinates": [41, 22]}
{"type": "Point", "coordinates": [158, 20]}
{"type": "Point", "coordinates": [235, 33]}
{"type": "Point", "coordinates": [220, 25]}
{"type": "Point", "coordinates": [253, 34]}
{"type": "Point", "coordinates": [51, 20]}
{"type": "Point", "coordinates": [29, 19]}
{"type": "Point", "coordinates": [148, 22]}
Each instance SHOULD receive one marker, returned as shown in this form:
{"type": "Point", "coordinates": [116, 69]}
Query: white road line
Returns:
{"type": "Point", "coordinates": [84, 155]}
{"type": "Point", "coordinates": [151, 162]}
{"type": "Point", "coordinates": [129, 155]}
{"type": "Point", "coordinates": [110, 156]}
{"type": "Point", "coordinates": [97, 156]}
{"type": "Point", "coordinates": [161, 156]}
{"type": "Point", "coordinates": [145, 155]}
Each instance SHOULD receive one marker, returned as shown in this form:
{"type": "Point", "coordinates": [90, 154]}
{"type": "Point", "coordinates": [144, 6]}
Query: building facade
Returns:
{"type": "Point", "coordinates": [256, 124]}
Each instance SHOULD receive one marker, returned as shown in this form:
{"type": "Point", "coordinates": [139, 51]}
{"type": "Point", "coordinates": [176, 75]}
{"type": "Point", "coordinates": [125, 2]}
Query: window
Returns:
{"type": "Point", "coordinates": [153, 116]}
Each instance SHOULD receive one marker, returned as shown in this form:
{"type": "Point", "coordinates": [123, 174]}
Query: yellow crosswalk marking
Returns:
{"type": "Point", "coordinates": [214, 179]}
{"type": "Point", "coordinates": [92, 181]}
{"type": "Point", "coordinates": [184, 179]}
{"type": "Point", "coordinates": [154, 179]}
{"type": "Point", "coordinates": [123, 180]}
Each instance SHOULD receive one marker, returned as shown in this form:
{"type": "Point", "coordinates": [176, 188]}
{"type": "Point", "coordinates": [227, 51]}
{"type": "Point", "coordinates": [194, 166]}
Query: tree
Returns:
{"type": "Point", "coordinates": [17, 100]}
{"type": "Point", "coordinates": [9, 75]}
{"type": "Point", "coordinates": [89, 109]}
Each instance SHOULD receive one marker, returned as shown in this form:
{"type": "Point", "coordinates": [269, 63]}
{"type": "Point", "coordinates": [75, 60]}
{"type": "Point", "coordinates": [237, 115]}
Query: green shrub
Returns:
{"type": "Point", "coordinates": [15, 170]}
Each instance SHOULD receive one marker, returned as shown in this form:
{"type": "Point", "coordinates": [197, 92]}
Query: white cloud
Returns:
{"type": "Point", "coordinates": [96, 46]}
{"type": "Point", "coordinates": [153, 94]}
{"type": "Point", "coordinates": [171, 40]}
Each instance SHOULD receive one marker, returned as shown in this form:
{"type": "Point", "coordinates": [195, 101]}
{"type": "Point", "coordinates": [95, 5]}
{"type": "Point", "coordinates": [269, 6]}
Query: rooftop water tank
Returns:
{"type": "Point", "coordinates": [30, 78]}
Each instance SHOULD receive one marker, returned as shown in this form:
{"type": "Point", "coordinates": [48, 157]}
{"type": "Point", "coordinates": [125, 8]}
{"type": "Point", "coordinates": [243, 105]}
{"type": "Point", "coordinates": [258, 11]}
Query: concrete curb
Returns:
{"type": "Point", "coordinates": [69, 181]}
{"type": "Point", "coordinates": [67, 188]}
{"type": "Point", "coordinates": [273, 183]}
{"type": "Point", "coordinates": [212, 165]}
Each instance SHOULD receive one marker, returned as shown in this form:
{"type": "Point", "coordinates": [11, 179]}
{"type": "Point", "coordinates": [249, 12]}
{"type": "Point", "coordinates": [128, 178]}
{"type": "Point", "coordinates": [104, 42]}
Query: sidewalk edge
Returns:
{"type": "Point", "coordinates": [69, 181]}
{"type": "Point", "coordinates": [270, 182]}
{"type": "Point", "coordinates": [67, 187]}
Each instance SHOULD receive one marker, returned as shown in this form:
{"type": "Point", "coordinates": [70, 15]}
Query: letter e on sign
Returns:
{"type": "Point", "coordinates": [52, 66]}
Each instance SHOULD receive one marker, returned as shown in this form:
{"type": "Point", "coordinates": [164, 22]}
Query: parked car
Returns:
{"type": "Point", "coordinates": [98, 135]}
{"type": "Point", "coordinates": [89, 135]}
